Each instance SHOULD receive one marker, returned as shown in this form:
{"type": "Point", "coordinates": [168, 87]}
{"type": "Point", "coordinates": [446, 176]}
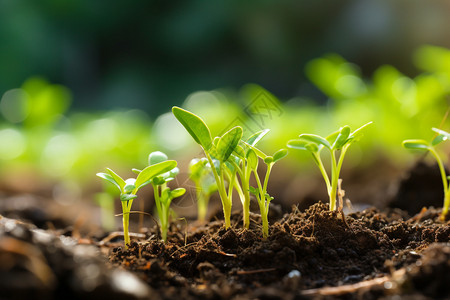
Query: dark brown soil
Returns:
{"type": "Point", "coordinates": [306, 251]}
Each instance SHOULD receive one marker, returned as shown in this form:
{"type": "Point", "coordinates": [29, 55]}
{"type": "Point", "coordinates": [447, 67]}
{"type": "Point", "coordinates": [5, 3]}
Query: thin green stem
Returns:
{"type": "Point", "coordinates": [243, 192]}
{"type": "Point", "coordinates": [262, 205]}
{"type": "Point", "coordinates": [319, 163]}
{"type": "Point", "coordinates": [334, 181]}
{"type": "Point", "coordinates": [444, 182]}
{"type": "Point", "coordinates": [125, 222]}
{"type": "Point", "coordinates": [226, 206]}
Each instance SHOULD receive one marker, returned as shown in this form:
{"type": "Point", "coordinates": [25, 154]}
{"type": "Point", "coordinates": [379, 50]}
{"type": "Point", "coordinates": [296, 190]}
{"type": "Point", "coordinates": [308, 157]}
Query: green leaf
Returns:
{"type": "Point", "coordinates": [341, 138]}
{"type": "Point", "coordinates": [239, 151]}
{"type": "Point", "coordinates": [298, 144]}
{"type": "Point", "coordinates": [279, 155]}
{"type": "Point", "coordinates": [313, 138]}
{"type": "Point", "coordinates": [416, 144]}
{"type": "Point", "coordinates": [109, 178]}
{"type": "Point", "coordinates": [258, 152]}
{"type": "Point", "coordinates": [158, 180]}
{"type": "Point", "coordinates": [127, 197]}
{"type": "Point", "coordinates": [136, 171]}
{"type": "Point", "coordinates": [129, 185]}
{"type": "Point", "coordinates": [443, 136]}
{"type": "Point", "coordinates": [252, 159]}
{"type": "Point", "coordinates": [195, 126]}
{"type": "Point", "coordinates": [357, 134]}
{"type": "Point", "coordinates": [439, 139]}
{"type": "Point", "coordinates": [254, 191]}
{"type": "Point", "coordinates": [332, 137]}
{"type": "Point", "coordinates": [154, 170]}
{"type": "Point", "coordinates": [268, 160]}
{"type": "Point", "coordinates": [178, 192]}
{"type": "Point", "coordinates": [255, 138]}
{"type": "Point", "coordinates": [116, 178]}
{"type": "Point", "coordinates": [228, 143]}
{"type": "Point", "coordinates": [156, 157]}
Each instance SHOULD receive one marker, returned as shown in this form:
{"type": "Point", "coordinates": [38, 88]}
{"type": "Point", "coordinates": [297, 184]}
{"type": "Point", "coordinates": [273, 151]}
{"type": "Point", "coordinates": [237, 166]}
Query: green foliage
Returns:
{"type": "Point", "coordinates": [231, 160]}
{"type": "Point", "coordinates": [129, 187]}
{"type": "Point", "coordinates": [163, 194]}
{"type": "Point", "coordinates": [220, 150]}
{"type": "Point", "coordinates": [422, 145]}
{"type": "Point", "coordinates": [337, 141]}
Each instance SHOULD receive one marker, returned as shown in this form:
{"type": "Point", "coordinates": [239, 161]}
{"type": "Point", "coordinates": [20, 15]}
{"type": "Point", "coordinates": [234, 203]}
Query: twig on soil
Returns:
{"type": "Point", "coordinates": [243, 272]}
{"type": "Point", "coordinates": [147, 214]}
{"type": "Point", "coordinates": [396, 278]}
{"type": "Point", "coordinates": [116, 234]}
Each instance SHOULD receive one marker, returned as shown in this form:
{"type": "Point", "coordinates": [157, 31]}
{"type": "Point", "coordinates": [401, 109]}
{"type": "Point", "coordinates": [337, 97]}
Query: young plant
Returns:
{"type": "Point", "coordinates": [219, 149]}
{"type": "Point", "coordinates": [163, 194]}
{"type": "Point", "coordinates": [205, 184]}
{"type": "Point", "coordinates": [128, 188]}
{"type": "Point", "coordinates": [423, 145]}
{"type": "Point", "coordinates": [260, 191]}
{"type": "Point", "coordinates": [337, 144]}
{"type": "Point", "coordinates": [244, 162]}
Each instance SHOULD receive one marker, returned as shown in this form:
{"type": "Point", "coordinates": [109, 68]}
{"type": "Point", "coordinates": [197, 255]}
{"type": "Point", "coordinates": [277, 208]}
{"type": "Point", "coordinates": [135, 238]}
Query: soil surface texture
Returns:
{"type": "Point", "coordinates": [314, 254]}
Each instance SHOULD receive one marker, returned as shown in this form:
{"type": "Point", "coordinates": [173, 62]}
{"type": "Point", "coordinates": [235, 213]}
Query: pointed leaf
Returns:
{"type": "Point", "coordinates": [313, 138]}
{"type": "Point", "coordinates": [341, 138]}
{"type": "Point", "coordinates": [255, 138]}
{"type": "Point", "coordinates": [154, 170]}
{"type": "Point", "coordinates": [228, 143]}
{"type": "Point", "coordinates": [279, 155]}
{"type": "Point", "coordinates": [195, 126]}
{"type": "Point", "coordinates": [116, 178]}
{"type": "Point", "coordinates": [109, 178]}
{"type": "Point", "coordinates": [357, 134]}
{"type": "Point", "coordinates": [416, 144]}
{"type": "Point", "coordinates": [136, 171]}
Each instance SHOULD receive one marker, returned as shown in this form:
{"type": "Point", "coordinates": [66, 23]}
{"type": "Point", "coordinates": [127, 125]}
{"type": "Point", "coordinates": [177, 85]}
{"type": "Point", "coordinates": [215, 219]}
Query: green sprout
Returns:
{"type": "Point", "coordinates": [220, 149]}
{"type": "Point", "coordinates": [337, 144]}
{"type": "Point", "coordinates": [205, 184]}
{"type": "Point", "coordinates": [245, 163]}
{"type": "Point", "coordinates": [423, 145]}
{"type": "Point", "coordinates": [163, 194]}
{"type": "Point", "coordinates": [261, 191]}
{"type": "Point", "coordinates": [128, 188]}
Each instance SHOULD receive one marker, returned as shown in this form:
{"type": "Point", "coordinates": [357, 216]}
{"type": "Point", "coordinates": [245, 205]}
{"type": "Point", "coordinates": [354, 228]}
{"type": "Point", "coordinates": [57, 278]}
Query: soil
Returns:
{"type": "Point", "coordinates": [310, 254]}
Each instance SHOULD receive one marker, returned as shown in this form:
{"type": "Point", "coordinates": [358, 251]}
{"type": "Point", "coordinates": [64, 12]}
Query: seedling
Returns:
{"type": "Point", "coordinates": [128, 188]}
{"type": "Point", "coordinates": [261, 191]}
{"type": "Point", "coordinates": [205, 184]}
{"type": "Point", "coordinates": [220, 149]}
{"type": "Point", "coordinates": [337, 143]}
{"type": "Point", "coordinates": [163, 194]}
{"type": "Point", "coordinates": [423, 145]}
{"type": "Point", "coordinates": [245, 163]}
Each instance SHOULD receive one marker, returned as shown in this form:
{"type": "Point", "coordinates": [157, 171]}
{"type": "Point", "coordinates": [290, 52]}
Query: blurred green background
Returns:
{"type": "Point", "coordinates": [89, 84]}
